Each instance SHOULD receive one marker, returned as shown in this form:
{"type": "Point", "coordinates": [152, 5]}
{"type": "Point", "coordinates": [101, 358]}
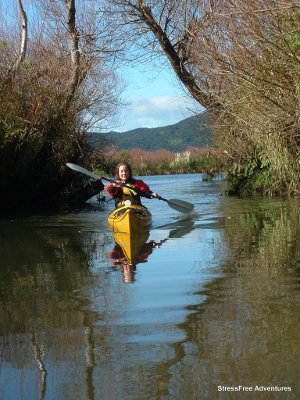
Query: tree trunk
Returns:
{"type": "Point", "coordinates": [75, 55]}
{"type": "Point", "coordinates": [24, 34]}
{"type": "Point", "coordinates": [175, 60]}
{"type": "Point", "coordinates": [23, 43]}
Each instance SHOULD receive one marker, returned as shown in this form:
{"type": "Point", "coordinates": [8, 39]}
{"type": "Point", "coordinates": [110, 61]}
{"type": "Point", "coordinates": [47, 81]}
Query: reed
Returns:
{"type": "Point", "coordinates": [162, 162]}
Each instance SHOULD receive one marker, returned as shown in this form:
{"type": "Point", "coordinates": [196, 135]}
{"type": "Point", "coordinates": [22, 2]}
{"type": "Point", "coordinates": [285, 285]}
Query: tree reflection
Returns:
{"type": "Point", "coordinates": [246, 332]}
{"type": "Point", "coordinates": [42, 273]}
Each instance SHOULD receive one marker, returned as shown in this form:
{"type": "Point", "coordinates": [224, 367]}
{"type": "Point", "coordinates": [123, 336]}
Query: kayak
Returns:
{"type": "Point", "coordinates": [131, 244]}
{"type": "Point", "coordinates": [130, 219]}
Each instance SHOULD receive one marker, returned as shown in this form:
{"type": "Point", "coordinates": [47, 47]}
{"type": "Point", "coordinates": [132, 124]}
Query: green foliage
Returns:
{"type": "Point", "coordinates": [266, 235]}
{"type": "Point", "coordinates": [176, 142]}
{"type": "Point", "coordinates": [257, 125]}
{"type": "Point", "coordinates": [250, 177]}
{"type": "Point", "coordinates": [293, 39]}
{"type": "Point", "coordinates": [25, 64]}
{"type": "Point", "coordinates": [204, 164]}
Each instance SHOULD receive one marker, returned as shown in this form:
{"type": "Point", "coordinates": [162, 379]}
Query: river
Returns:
{"type": "Point", "coordinates": [211, 310]}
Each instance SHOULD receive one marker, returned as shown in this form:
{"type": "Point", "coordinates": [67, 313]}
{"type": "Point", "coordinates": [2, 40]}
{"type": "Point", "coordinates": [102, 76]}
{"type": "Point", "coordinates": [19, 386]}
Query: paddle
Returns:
{"type": "Point", "coordinates": [178, 205]}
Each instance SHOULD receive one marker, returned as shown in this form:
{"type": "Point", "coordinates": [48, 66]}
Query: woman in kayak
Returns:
{"type": "Point", "coordinates": [134, 189]}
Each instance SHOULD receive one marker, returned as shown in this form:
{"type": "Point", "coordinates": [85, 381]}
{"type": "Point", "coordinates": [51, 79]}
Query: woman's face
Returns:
{"type": "Point", "coordinates": [124, 172]}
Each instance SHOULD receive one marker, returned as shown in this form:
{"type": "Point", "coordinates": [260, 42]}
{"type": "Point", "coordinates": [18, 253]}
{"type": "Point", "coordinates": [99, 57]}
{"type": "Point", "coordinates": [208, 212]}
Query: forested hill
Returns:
{"type": "Point", "coordinates": [193, 131]}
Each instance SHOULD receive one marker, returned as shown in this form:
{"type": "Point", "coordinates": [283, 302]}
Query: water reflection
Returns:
{"type": "Point", "coordinates": [43, 265]}
{"type": "Point", "coordinates": [217, 303]}
{"type": "Point", "coordinates": [131, 250]}
{"type": "Point", "coordinates": [246, 331]}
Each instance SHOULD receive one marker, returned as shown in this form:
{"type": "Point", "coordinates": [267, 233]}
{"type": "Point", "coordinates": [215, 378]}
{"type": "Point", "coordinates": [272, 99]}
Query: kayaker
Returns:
{"type": "Point", "coordinates": [127, 193]}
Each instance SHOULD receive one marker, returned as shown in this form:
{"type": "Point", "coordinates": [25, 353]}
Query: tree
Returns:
{"type": "Point", "coordinates": [165, 26]}
{"type": "Point", "coordinates": [59, 88]}
{"type": "Point", "coordinates": [241, 61]}
{"type": "Point", "coordinates": [23, 44]}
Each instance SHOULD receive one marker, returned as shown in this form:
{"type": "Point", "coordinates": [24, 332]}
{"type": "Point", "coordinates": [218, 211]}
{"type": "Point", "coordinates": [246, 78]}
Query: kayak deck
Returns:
{"type": "Point", "coordinates": [130, 219]}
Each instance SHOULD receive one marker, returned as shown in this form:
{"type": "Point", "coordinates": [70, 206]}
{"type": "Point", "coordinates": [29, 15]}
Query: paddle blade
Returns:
{"type": "Point", "coordinates": [181, 205]}
{"type": "Point", "coordinates": [82, 170]}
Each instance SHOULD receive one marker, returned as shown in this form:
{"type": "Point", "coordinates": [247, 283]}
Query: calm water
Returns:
{"type": "Point", "coordinates": [213, 303]}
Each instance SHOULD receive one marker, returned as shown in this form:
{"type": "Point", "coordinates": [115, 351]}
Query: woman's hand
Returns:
{"type": "Point", "coordinates": [113, 188]}
{"type": "Point", "coordinates": [155, 195]}
{"type": "Point", "coordinates": [117, 184]}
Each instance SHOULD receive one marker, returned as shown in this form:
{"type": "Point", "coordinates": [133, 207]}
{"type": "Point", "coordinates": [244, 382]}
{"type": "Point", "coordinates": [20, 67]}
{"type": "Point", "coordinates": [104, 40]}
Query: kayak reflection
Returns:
{"type": "Point", "coordinates": [133, 249]}
{"type": "Point", "coordinates": [130, 250]}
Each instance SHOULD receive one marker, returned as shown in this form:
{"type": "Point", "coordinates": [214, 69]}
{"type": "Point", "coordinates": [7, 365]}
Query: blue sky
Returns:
{"type": "Point", "coordinates": [153, 97]}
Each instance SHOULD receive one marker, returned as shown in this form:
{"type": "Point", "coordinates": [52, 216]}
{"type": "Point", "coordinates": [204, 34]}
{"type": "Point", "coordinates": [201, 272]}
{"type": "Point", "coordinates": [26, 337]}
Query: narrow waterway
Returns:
{"type": "Point", "coordinates": [210, 311]}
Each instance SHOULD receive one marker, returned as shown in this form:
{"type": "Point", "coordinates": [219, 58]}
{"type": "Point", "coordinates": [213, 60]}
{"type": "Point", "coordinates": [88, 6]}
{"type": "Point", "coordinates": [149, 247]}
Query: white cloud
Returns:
{"type": "Point", "coordinates": [155, 111]}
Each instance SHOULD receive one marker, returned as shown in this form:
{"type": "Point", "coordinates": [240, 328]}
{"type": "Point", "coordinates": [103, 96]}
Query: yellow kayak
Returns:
{"type": "Point", "coordinates": [130, 219]}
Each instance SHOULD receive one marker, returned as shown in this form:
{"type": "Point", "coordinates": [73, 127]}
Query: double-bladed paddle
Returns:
{"type": "Point", "coordinates": [178, 205]}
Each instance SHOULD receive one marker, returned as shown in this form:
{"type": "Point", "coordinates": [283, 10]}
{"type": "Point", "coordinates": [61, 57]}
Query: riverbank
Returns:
{"type": "Point", "coordinates": [165, 162]}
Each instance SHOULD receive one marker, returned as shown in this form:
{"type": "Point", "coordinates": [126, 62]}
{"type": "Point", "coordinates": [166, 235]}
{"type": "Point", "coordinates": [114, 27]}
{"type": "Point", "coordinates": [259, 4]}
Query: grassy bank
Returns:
{"type": "Point", "coordinates": [164, 162]}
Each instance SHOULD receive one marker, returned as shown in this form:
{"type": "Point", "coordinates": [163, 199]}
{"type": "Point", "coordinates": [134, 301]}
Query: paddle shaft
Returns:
{"type": "Point", "coordinates": [161, 198]}
{"type": "Point", "coordinates": [78, 168]}
{"type": "Point", "coordinates": [179, 205]}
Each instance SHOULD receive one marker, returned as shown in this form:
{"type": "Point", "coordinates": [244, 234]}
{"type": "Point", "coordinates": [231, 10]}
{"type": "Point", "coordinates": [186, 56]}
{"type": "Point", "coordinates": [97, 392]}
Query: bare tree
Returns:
{"type": "Point", "coordinates": [240, 60]}
{"type": "Point", "coordinates": [85, 61]}
{"type": "Point", "coordinates": [61, 87]}
{"type": "Point", "coordinates": [165, 27]}
{"type": "Point", "coordinates": [206, 42]}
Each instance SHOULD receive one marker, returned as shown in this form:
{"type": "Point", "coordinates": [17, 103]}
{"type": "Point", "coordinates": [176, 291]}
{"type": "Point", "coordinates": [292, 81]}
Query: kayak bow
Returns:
{"type": "Point", "coordinates": [130, 219]}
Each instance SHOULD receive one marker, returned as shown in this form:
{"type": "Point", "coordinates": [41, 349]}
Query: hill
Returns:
{"type": "Point", "coordinates": [190, 132]}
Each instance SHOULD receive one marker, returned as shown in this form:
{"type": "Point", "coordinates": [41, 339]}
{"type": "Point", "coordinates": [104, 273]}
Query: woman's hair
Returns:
{"type": "Point", "coordinates": [127, 165]}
